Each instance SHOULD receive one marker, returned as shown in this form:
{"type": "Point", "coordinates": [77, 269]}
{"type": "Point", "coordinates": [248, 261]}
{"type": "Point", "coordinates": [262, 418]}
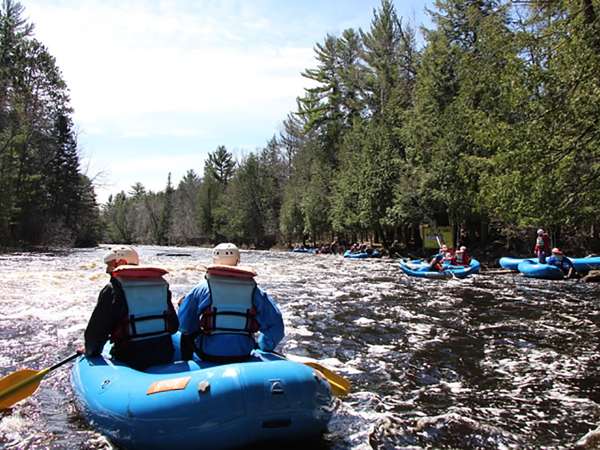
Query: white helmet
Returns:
{"type": "Point", "coordinates": [226, 254]}
{"type": "Point", "coordinates": [540, 232]}
{"type": "Point", "coordinates": [122, 253]}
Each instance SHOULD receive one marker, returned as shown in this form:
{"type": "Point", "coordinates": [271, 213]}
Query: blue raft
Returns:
{"type": "Point", "coordinates": [362, 255]}
{"type": "Point", "coordinates": [533, 269]}
{"type": "Point", "coordinates": [201, 405]}
{"type": "Point", "coordinates": [581, 265]}
{"type": "Point", "coordinates": [420, 268]}
{"type": "Point", "coordinates": [304, 250]}
{"type": "Point", "coordinates": [506, 262]}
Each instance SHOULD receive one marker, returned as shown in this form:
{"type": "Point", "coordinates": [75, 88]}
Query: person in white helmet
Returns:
{"type": "Point", "coordinates": [112, 318]}
{"type": "Point", "coordinates": [542, 245]}
{"type": "Point", "coordinates": [227, 315]}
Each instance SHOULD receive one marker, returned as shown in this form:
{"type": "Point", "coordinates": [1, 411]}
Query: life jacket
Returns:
{"type": "Point", "coordinates": [437, 263]}
{"type": "Point", "coordinates": [459, 258]}
{"type": "Point", "coordinates": [231, 310]}
{"type": "Point", "coordinates": [146, 295]}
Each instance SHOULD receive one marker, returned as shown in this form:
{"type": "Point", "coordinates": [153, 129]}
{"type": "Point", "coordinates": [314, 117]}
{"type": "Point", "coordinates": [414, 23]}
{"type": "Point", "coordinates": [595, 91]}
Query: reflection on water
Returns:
{"type": "Point", "coordinates": [487, 362]}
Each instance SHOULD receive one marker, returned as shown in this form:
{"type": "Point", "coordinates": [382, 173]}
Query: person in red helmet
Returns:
{"type": "Point", "coordinates": [559, 260]}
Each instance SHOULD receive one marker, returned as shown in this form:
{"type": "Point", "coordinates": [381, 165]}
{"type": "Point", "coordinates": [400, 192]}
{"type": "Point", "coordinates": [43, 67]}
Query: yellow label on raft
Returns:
{"type": "Point", "coordinates": [174, 384]}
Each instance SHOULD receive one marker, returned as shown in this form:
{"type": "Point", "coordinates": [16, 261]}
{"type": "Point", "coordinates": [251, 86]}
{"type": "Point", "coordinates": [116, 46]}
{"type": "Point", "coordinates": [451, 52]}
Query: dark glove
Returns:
{"type": "Point", "coordinates": [187, 347]}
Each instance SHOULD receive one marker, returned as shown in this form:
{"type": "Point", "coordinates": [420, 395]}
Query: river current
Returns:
{"type": "Point", "coordinates": [491, 361]}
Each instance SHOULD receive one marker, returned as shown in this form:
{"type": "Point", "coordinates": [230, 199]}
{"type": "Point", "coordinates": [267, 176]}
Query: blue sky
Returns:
{"type": "Point", "coordinates": [156, 85]}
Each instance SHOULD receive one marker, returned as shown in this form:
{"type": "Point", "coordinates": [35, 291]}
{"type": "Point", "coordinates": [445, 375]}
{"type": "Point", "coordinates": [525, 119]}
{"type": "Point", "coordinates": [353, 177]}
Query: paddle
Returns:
{"type": "Point", "coordinates": [21, 384]}
{"type": "Point", "coordinates": [340, 386]}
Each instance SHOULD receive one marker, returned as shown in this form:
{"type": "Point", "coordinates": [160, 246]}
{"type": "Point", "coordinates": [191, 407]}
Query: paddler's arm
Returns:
{"type": "Point", "coordinates": [172, 320]}
{"type": "Point", "coordinates": [190, 308]}
{"type": "Point", "coordinates": [270, 321]}
{"type": "Point", "coordinates": [100, 323]}
{"type": "Point", "coordinates": [194, 304]}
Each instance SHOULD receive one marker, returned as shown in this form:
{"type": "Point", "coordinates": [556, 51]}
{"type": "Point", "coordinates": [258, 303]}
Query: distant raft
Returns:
{"type": "Point", "coordinates": [362, 255]}
{"type": "Point", "coordinates": [421, 269]}
{"type": "Point", "coordinates": [506, 262]}
{"type": "Point", "coordinates": [581, 265]}
{"type": "Point", "coordinates": [200, 405]}
{"type": "Point", "coordinates": [534, 269]}
{"type": "Point", "coordinates": [304, 250]}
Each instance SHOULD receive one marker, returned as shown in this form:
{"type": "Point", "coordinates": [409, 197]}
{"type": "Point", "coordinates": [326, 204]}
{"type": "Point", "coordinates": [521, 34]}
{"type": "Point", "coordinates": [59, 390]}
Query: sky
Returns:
{"type": "Point", "coordinates": [156, 85]}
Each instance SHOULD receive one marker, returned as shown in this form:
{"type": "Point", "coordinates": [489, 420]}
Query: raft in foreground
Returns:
{"type": "Point", "coordinates": [200, 405]}
{"type": "Point", "coordinates": [420, 269]}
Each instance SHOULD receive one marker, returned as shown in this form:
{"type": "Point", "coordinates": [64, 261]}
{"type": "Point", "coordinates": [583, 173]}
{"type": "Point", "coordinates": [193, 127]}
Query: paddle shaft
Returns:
{"type": "Point", "coordinates": [64, 361]}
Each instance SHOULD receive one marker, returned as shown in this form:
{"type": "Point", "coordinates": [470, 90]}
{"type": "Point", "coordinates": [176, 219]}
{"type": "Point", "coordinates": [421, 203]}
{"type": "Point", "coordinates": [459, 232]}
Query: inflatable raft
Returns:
{"type": "Point", "coordinates": [362, 255]}
{"type": "Point", "coordinates": [506, 262]}
{"type": "Point", "coordinates": [584, 265]}
{"type": "Point", "coordinates": [581, 265]}
{"type": "Point", "coordinates": [420, 268]}
{"type": "Point", "coordinates": [201, 405]}
{"type": "Point", "coordinates": [533, 269]}
{"type": "Point", "coordinates": [304, 250]}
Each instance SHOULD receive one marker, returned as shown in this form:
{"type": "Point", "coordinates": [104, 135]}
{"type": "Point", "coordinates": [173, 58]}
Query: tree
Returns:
{"type": "Point", "coordinates": [40, 179]}
{"type": "Point", "coordinates": [220, 165]}
{"type": "Point", "coordinates": [166, 216]}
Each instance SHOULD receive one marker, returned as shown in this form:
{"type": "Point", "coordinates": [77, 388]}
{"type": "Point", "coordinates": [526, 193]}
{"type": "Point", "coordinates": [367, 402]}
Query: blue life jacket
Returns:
{"type": "Point", "coordinates": [147, 303]}
{"type": "Point", "coordinates": [228, 324]}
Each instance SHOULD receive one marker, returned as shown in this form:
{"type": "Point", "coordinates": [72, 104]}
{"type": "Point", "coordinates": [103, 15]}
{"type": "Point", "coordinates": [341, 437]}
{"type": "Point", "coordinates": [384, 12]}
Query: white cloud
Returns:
{"type": "Point", "coordinates": [137, 59]}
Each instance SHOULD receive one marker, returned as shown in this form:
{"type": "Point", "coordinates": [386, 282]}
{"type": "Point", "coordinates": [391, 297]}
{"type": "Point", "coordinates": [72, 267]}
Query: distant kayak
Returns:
{"type": "Point", "coordinates": [533, 269]}
{"type": "Point", "coordinates": [362, 255]}
{"type": "Point", "coordinates": [420, 269]}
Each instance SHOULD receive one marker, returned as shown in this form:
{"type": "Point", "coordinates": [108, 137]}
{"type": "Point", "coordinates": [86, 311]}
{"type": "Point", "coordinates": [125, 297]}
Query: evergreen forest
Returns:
{"type": "Point", "coordinates": [487, 122]}
{"type": "Point", "coordinates": [44, 196]}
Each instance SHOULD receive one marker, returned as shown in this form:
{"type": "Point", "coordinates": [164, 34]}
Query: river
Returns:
{"type": "Point", "coordinates": [487, 362]}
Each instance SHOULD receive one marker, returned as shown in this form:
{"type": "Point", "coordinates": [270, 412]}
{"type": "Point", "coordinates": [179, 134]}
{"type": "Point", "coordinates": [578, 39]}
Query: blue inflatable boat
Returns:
{"type": "Point", "coordinates": [581, 265]}
{"type": "Point", "coordinates": [420, 268]}
{"type": "Point", "coordinates": [362, 255]}
{"type": "Point", "coordinates": [201, 405]}
{"type": "Point", "coordinates": [304, 250]}
{"type": "Point", "coordinates": [506, 262]}
{"type": "Point", "coordinates": [533, 269]}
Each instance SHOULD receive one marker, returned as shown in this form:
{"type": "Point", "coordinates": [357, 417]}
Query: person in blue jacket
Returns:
{"type": "Point", "coordinates": [563, 263]}
{"type": "Point", "coordinates": [223, 319]}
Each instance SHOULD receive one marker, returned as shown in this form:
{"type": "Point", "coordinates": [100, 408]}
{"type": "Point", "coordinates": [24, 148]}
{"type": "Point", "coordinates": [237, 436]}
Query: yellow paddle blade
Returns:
{"type": "Point", "coordinates": [18, 386]}
{"type": "Point", "coordinates": [339, 385]}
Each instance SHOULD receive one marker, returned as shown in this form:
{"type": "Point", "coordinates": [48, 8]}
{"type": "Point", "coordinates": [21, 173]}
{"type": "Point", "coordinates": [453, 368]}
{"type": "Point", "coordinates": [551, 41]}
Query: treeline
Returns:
{"type": "Point", "coordinates": [44, 197]}
{"type": "Point", "coordinates": [492, 126]}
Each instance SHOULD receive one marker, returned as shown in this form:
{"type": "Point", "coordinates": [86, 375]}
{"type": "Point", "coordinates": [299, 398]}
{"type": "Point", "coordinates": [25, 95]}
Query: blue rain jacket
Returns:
{"type": "Point", "coordinates": [268, 317]}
